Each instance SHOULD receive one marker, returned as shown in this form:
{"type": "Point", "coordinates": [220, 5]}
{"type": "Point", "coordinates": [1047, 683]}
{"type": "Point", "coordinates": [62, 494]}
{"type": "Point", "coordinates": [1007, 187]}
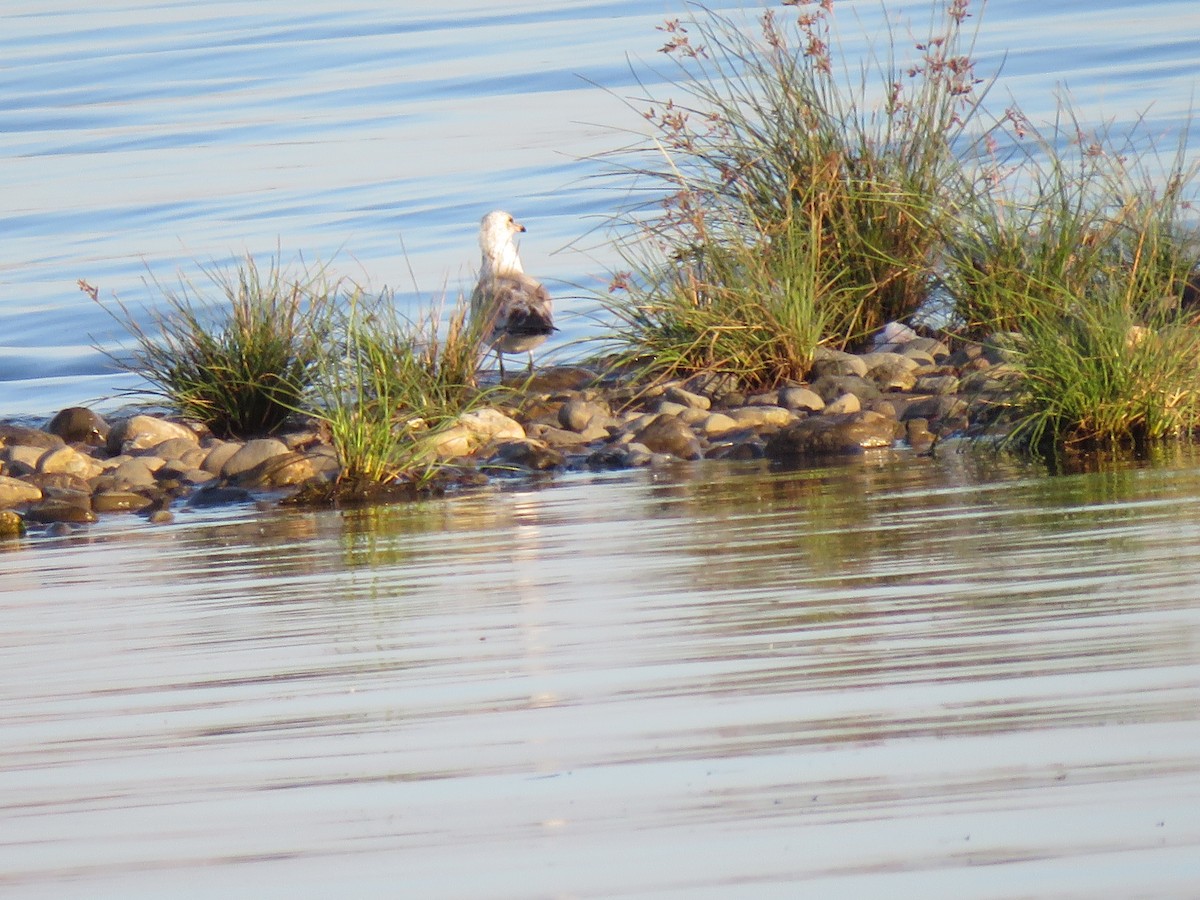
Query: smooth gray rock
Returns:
{"type": "Point", "coordinates": [667, 434]}
{"type": "Point", "coordinates": [78, 424]}
{"type": "Point", "coordinates": [830, 387]}
{"type": "Point", "coordinates": [251, 454]}
{"type": "Point", "coordinates": [143, 432]}
{"type": "Point", "coordinates": [828, 435]}
{"type": "Point", "coordinates": [836, 362]}
{"type": "Point", "coordinates": [676, 394]}
{"type": "Point", "coordinates": [11, 435]}
{"type": "Point", "coordinates": [795, 397]}
{"type": "Point", "coordinates": [14, 492]}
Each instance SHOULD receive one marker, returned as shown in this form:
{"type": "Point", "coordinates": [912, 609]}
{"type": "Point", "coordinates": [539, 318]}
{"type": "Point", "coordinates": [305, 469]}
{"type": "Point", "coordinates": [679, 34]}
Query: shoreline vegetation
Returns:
{"type": "Point", "coordinates": [818, 258]}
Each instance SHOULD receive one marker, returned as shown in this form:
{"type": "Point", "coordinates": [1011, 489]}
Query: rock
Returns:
{"type": "Point", "coordinates": [175, 448]}
{"type": "Point", "coordinates": [78, 424]}
{"type": "Point", "coordinates": [14, 492]}
{"type": "Point", "coordinates": [918, 435]}
{"type": "Point", "coordinates": [667, 408]}
{"type": "Point", "coordinates": [761, 416]}
{"type": "Point", "coordinates": [794, 397]}
{"type": "Point", "coordinates": [894, 334]}
{"type": "Point", "coordinates": [119, 501]}
{"type": "Point", "coordinates": [577, 414]}
{"type": "Point", "coordinates": [217, 495]}
{"type": "Point", "coordinates": [492, 425]}
{"type": "Point", "coordinates": [473, 430]}
{"type": "Point", "coordinates": [752, 448]}
{"type": "Point", "coordinates": [676, 394]}
{"type": "Point", "coordinates": [826, 435]}
{"type": "Point", "coordinates": [22, 459]}
{"type": "Point", "coordinates": [847, 403]}
{"type": "Point", "coordinates": [161, 517]}
{"type": "Point", "coordinates": [251, 455]}
{"type": "Point", "coordinates": [218, 454]}
{"type": "Point", "coordinates": [667, 434]}
{"type": "Point", "coordinates": [70, 461]}
{"type": "Point", "coordinates": [937, 384]}
{"type": "Point", "coordinates": [716, 424]}
{"type": "Point", "coordinates": [48, 511]}
{"type": "Point", "coordinates": [557, 437]}
{"type": "Point", "coordinates": [61, 481]}
{"type": "Point", "coordinates": [144, 432]}
{"type": "Point", "coordinates": [830, 387]}
{"type": "Point", "coordinates": [137, 472]}
{"type": "Point", "coordinates": [534, 456]}
{"type": "Point", "coordinates": [932, 346]}
{"type": "Point", "coordinates": [893, 374]}
{"type": "Point", "coordinates": [11, 524]}
{"type": "Point", "coordinates": [938, 409]}
{"type": "Point", "coordinates": [836, 362]}
{"type": "Point", "coordinates": [11, 435]}
{"type": "Point", "coordinates": [290, 468]}
{"type": "Point", "coordinates": [560, 378]}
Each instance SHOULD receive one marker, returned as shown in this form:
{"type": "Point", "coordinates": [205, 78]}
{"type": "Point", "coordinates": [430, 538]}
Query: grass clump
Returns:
{"type": "Point", "coordinates": [790, 199]}
{"type": "Point", "coordinates": [391, 385]}
{"type": "Point", "coordinates": [240, 362]}
{"type": "Point", "coordinates": [1091, 259]}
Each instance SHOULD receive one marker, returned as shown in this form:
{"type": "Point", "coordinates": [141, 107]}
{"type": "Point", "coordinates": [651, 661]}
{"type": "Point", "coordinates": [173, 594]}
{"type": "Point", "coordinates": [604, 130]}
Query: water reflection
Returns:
{"type": "Point", "coordinates": [855, 680]}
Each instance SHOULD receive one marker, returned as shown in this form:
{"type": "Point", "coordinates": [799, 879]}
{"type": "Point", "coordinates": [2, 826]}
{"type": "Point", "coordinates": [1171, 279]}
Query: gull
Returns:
{"type": "Point", "coordinates": [512, 308]}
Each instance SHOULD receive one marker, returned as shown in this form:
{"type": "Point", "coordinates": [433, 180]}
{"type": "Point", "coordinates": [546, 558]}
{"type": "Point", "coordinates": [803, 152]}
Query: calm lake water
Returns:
{"type": "Point", "coordinates": [896, 677]}
{"type": "Point", "coordinates": [141, 139]}
{"type": "Point", "coordinates": [893, 678]}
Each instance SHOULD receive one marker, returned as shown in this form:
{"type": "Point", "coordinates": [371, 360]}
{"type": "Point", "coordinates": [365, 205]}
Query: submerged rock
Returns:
{"type": "Point", "coordinates": [826, 435]}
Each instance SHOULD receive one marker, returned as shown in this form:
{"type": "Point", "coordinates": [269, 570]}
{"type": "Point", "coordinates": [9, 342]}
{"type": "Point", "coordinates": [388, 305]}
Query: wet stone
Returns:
{"type": "Point", "coordinates": [830, 387]}
{"type": "Point", "coordinates": [144, 432]}
{"type": "Point", "coordinates": [534, 456]}
{"type": "Point", "coordinates": [937, 384]}
{"type": "Point", "coordinates": [667, 434]}
{"type": "Point", "coordinates": [11, 435]}
{"type": "Point", "coordinates": [835, 362]}
{"type": "Point", "coordinates": [174, 448]}
{"type": "Point", "coordinates": [795, 397]}
{"type": "Point", "coordinates": [135, 472]}
{"type": "Point", "coordinates": [676, 394]}
{"type": "Point", "coordinates": [48, 511]}
{"type": "Point", "coordinates": [847, 403]}
{"type": "Point", "coordinates": [218, 454]}
{"type": "Point", "coordinates": [217, 495]}
{"type": "Point", "coordinates": [22, 459]}
{"type": "Point", "coordinates": [70, 461]}
{"type": "Point", "coordinates": [761, 416]}
{"type": "Point", "coordinates": [119, 501]}
{"type": "Point", "coordinates": [825, 435]}
{"type": "Point", "coordinates": [78, 424]}
{"type": "Point", "coordinates": [11, 524]}
{"type": "Point", "coordinates": [251, 455]}
{"type": "Point", "coordinates": [14, 491]}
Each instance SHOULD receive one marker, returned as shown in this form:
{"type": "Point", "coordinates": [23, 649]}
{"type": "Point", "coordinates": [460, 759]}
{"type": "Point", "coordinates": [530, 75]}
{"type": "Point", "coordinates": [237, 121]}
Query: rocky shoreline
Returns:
{"type": "Point", "coordinates": [909, 389]}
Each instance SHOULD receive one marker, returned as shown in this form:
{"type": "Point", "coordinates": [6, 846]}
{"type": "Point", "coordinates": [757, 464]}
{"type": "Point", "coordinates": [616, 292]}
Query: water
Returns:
{"type": "Point", "coordinates": [141, 139]}
{"type": "Point", "coordinates": [898, 677]}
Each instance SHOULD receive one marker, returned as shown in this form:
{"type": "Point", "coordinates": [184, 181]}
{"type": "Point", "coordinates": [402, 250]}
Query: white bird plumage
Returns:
{"type": "Point", "coordinates": [512, 309]}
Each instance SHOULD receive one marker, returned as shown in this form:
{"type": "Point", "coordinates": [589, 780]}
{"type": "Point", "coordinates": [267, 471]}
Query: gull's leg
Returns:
{"type": "Point", "coordinates": [500, 360]}
{"type": "Point", "coordinates": [530, 362]}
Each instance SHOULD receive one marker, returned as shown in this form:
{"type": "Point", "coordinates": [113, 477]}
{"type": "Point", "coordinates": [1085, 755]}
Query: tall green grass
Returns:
{"type": "Point", "coordinates": [238, 353]}
{"type": "Point", "coordinates": [776, 174]}
{"type": "Point", "coordinates": [389, 385]}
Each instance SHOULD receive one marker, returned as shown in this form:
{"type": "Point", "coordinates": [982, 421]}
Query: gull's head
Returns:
{"type": "Point", "coordinates": [496, 233]}
{"type": "Point", "coordinates": [497, 229]}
